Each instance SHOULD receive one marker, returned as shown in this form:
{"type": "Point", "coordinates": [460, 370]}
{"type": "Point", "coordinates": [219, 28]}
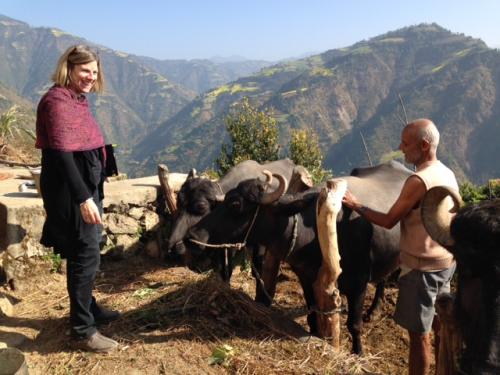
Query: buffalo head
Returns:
{"type": "Point", "coordinates": [231, 221]}
{"type": "Point", "coordinates": [196, 198]}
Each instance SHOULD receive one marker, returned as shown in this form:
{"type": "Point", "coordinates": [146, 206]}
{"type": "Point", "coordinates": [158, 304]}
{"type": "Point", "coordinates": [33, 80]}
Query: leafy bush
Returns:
{"type": "Point", "coordinates": [8, 123]}
{"type": "Point", "coordinates": [55, 262]}
{"type": "Point", "coordinates": [304, 150]}
{"type": "Point", "coordinates": [476, 193]}
{"type": "Point", "coordinates": [253, 134]}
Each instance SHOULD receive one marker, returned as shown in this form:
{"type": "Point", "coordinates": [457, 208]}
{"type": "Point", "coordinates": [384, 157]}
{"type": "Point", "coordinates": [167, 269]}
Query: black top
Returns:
{"type": "Point", "coordinates": [68, 179]}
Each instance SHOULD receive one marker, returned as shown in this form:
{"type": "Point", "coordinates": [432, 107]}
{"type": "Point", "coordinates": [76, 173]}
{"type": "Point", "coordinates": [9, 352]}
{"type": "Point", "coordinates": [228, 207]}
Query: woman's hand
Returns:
{"type": "Point", "coordinates": [90, 212]}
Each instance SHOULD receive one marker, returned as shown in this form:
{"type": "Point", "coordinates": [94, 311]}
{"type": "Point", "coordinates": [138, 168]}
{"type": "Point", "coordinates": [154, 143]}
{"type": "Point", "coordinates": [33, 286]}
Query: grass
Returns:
{"type": "Point", "coordinates": [178, 322]}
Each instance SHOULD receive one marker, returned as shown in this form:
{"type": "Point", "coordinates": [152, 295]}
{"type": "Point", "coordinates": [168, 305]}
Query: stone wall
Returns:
{"type": "Point", "coordinates": [130, 221]}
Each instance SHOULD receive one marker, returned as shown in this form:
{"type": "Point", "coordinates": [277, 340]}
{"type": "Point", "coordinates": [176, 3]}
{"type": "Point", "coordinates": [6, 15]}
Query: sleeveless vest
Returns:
{"type": "Point", "coordinates": [418, 250]}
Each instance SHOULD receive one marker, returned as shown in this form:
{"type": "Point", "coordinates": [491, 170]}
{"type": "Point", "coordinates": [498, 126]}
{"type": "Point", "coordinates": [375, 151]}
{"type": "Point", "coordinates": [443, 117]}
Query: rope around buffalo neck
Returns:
{"type": "Point", "coordinates": [238, 245]}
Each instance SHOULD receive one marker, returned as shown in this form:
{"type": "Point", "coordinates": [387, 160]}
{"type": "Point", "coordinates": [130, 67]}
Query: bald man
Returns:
{"type": "Point", "coordinates": [426, 267]}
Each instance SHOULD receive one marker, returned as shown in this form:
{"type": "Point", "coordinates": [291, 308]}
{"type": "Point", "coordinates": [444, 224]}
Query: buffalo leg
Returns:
{"type": "Point", "coordinates": [258, 254]}
{"type": "Point", "coordinates": [266, 284]}
{"type": "Point", "coordinates": [354, 318]}
{"type": "Point", "coordinates": [307, 288]}
{"type": "Point", "coordinates": [379, 295]}
{"type": "Point", "coordinates": [225, 260]}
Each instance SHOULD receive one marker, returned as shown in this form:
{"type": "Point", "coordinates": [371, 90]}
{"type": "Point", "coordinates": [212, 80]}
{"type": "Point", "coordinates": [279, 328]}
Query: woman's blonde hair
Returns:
{"type": "Point", "coordinates": [76, 55]}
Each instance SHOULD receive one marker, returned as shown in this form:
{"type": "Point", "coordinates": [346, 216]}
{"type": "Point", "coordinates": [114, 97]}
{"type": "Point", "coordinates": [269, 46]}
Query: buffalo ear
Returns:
{"type": "Point", "coordinates": [192, 173]}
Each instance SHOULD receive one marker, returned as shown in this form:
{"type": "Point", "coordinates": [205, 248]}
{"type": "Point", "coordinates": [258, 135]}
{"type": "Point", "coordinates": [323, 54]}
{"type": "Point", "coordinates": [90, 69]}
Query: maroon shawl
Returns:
{"type": "Point", "coordinates": [64, 122]}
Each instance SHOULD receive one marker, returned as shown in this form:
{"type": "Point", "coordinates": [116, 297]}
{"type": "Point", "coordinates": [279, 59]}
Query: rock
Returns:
{"type": "Point", "coordinates": [120, 224]}
{"type": "Point", "coordinates": [6, 308]}
{"type": "Point", "coordinates": [126, 244]}
{"type": "Point", "coordinates": [12, 339]}
{"type": "Point", "coordinates": [151, 220]}
{"type": "Point", "coordinates": [136, 213]}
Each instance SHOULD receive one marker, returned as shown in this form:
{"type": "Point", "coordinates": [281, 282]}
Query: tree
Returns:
{"type": "Point", "coordinates": [304, 150]}
{"type": "Point", "coordinates": [476, 193]}
{"type": "Point", "coordinates": [253, 136]}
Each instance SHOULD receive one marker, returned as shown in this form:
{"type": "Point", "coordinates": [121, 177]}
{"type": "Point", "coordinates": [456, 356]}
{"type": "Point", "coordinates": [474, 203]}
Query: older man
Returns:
{"type": "Point", "coordinates": [426, 267]}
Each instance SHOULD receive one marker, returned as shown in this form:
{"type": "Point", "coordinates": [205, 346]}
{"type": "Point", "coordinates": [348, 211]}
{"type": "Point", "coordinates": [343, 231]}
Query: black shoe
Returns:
{"type": "Point", "coordinates": [105, 316]}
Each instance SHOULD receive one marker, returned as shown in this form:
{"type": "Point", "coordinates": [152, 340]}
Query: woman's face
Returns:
{"type": "Point", "coordinates": [83, 76]}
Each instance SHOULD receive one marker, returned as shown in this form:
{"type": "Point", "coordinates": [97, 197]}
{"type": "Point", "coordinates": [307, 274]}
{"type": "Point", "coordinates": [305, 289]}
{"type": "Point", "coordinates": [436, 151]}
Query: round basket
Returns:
{"type": "Point", "coordinates": [12, 362]}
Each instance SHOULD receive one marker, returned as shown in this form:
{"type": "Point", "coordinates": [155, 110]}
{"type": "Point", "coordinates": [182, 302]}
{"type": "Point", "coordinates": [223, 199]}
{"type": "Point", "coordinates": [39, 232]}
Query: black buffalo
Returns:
{"type": "Point", "coordinates": [368, 252]}
{"type": "Point", "coordinates": [198, 196]}
{"type": "Point", "coordinates": [474, 239]}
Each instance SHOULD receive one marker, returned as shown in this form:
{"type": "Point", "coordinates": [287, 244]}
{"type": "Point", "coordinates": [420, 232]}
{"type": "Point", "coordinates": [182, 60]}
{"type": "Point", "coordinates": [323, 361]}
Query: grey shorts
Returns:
{"type": "Point", "coordinates": [417, 293]}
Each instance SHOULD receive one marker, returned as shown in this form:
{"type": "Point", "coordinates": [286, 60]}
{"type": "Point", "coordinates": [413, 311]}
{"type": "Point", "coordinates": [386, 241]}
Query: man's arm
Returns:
{"type": "Point", "coordinates": [411, 194]}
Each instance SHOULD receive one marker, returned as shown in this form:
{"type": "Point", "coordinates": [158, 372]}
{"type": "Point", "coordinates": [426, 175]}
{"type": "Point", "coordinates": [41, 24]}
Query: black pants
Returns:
{"type": "Point", "coordinates": [82, 265]}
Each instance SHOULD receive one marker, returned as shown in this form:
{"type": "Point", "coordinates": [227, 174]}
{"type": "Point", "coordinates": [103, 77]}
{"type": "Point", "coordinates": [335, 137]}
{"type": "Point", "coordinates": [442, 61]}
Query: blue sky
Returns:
{"type": "Point", "coordinates": [256, 29]}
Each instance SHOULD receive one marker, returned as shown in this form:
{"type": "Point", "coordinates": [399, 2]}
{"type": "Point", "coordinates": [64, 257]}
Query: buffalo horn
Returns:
{"type": "Point", "coordinates": [269, 177]}
{"type": "Point", "coordinates": [272, 196]}
{"type": "Point", "coordinates": [192, 173]}
{"type": "Point", "coordinates": [436, 215]}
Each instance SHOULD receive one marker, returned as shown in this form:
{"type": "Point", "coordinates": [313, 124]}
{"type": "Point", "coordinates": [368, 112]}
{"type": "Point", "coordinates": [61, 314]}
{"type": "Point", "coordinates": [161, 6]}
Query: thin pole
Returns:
{"type": "Point", "coordinates": [404, 109]}
{"type": "Point", "coordinates": [366, 149]}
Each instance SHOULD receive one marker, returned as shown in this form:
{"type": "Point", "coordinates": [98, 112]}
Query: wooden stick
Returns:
{"type": "Point", "coordinates": [326, 293]}
{"type": "Point", "coordinates": [450, 341]}
{"type": "Point", "coordinates": [168, 194]}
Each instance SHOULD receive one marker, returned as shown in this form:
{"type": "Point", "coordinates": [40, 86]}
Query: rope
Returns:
{"type": "Point", "coordinates": [261, 282]}
{"type": "Point", "coordinates": [329, 312]}
{"type": "Point", "coordinates": [238, 245]}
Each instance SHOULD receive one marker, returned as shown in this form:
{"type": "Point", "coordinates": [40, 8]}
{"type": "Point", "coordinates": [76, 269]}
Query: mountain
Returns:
{"type": "Point", "coordinates": [343, 93]}
{"type": "Point", "coordinates": [136, 98]}
{"type": "Point", "coordinates": [201, 75]}
{"type": "Point", "coordinates": [9, 98]}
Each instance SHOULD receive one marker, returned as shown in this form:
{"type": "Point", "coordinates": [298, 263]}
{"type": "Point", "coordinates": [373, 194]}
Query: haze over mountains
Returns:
{"type": "Point", "coordinates": [138, 93]}
{"type": "Point", "coordinates": [173, 111]}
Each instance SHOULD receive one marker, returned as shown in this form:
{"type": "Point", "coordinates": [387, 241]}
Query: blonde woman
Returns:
{"type": "Point", "coordinates": [73, 157]}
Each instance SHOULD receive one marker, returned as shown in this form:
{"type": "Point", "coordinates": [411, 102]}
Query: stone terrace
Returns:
{"type": "Point", "coordinates": [130, 219]}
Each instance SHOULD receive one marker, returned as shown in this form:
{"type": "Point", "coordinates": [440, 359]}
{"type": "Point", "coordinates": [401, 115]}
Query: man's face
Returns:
{"type": "Point", "coordinates": [411, 146]}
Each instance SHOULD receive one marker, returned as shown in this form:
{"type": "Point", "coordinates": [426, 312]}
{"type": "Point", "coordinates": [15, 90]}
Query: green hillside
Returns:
{"type": "Point", "coordinates": [448, 77]}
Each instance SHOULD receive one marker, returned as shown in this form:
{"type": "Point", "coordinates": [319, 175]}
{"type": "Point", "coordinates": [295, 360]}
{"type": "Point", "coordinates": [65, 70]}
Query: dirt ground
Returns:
{"type": "Point", "coordinates": [175, 321]}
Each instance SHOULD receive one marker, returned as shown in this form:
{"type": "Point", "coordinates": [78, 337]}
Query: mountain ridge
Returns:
{"type": "Point", "coordinates": [341, 92]}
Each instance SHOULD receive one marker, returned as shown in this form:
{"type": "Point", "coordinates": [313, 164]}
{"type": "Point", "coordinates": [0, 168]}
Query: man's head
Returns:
{"type": "Point", "coordinates": [419, 141]}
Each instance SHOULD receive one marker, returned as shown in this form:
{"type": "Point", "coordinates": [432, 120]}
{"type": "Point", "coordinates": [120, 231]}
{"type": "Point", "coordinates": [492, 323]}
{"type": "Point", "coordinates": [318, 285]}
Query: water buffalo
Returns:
{"type": "Point", "coordinates": [287, 228]}
{"type": "Point", "coordinates": [198, 196]}
{"type": "Point", "coordinates": [473, 236]}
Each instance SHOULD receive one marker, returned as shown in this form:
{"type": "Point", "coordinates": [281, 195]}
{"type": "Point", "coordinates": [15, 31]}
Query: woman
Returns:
{"type": "Point", "coordinates": [72, 187]}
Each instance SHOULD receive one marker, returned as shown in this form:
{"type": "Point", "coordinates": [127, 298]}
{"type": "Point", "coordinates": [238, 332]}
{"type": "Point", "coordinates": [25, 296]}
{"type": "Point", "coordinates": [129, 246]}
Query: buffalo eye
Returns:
{"type": "Point", "coordinates": [201, 207]}
{"type": "Point", "coordinates": [235, 206]}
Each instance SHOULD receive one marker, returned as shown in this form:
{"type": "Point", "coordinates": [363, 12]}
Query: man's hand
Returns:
{"type": "Point", "coordinates": [351, 201]}
{"type": "Point", "coordinates": [90, 212]}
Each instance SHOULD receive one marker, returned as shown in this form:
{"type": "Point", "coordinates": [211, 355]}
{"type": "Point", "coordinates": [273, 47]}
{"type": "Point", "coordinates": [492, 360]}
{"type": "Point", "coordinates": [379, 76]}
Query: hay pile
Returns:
{"type": "Point", "coordinates": [174, 322]}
